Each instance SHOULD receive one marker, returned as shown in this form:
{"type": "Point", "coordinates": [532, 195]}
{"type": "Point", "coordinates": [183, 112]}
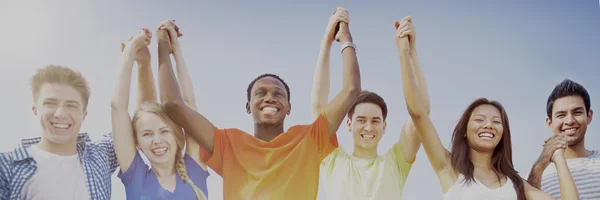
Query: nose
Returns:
{"type": "Point", "coordinates": [369, 127]}
{"type": "Point", "coordinates": [569, 119]}
{"type": "Point", "coordinates": [488, 124]}
{"type": "Point", "coordinates": [269, 98]}
{"type": "Point", "coordinates": [156, 139]}
{"type": "Point", "coordinates": [60, 112]}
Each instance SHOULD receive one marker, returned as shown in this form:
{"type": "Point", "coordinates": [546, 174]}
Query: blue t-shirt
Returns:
{"type": "Point", "coordinates": [142, 184]}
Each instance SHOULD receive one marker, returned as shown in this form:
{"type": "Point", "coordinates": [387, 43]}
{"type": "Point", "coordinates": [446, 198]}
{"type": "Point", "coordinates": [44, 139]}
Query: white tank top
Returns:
{"type": "Point", "coordinates": [477, 191]}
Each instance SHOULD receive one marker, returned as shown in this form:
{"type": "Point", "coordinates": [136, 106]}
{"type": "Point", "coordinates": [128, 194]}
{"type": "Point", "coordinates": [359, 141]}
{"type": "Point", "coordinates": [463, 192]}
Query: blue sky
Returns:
{"type": "Point", "coordinates": [510, 51]}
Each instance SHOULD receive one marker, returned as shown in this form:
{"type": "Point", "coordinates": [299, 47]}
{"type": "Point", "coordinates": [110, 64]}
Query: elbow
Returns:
{"type": "Point", "coordinates": [173, 106]}
{"type": "Point", "coordinates": [353, 90]}
{"type": "Point", "coordinates": [116, 106]}
{"type": "Point", "coordinates": [416, 114]}
{"type": "Point", "coordinates": [317, 109]}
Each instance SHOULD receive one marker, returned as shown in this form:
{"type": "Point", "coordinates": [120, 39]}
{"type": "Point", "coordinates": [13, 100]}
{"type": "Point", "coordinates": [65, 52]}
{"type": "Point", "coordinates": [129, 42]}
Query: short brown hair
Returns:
{"type": "Point", "coordinates": [62, 75]}
{"type": "Point", "coordinates": [369, 97]}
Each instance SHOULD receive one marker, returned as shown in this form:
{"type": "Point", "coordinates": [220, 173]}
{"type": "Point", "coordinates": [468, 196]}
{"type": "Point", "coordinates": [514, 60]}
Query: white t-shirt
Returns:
{"type": "Point", "coordinates": [56, 177]}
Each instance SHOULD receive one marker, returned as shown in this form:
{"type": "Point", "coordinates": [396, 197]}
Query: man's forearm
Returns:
{"type": "Point", "coordinates": [169, 90]}
{"type": "Point", "coordinates": [535, 176]}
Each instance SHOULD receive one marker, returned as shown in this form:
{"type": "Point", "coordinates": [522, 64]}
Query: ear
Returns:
{"type": "Point", "coordinates": [549, 123]}
{"type": "Point", "coordinates": [384, 125]}
{"type": "Point", "coordinates": [349, 123]}
{"type": "Point", "coordinates": [248, 108]}
{"type": "Point", "coordinates": [34, 109]}
{"type": "Point", "coordinates": [590, 116]}
{"type": "Point", "coordinates": [84, 115]}
{"type": "Point", "coordinates": [289, 110]}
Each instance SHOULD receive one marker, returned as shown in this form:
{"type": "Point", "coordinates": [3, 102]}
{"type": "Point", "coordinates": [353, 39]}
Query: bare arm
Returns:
{"type": "Point", "coordinates": [146, 86]}
{"type": "Point", "coordinates": [535, 175]}
{"type": "Point", "coordinates": [351, 87]}
{"type": "Point", "coordinates": [409, 137]}
{"type": "Point", "coordinates": [568, 190]}
{"type": "Point", "coordinates": [320, 87]}
{"type": "Point", "coordinates": [122, 129]}
{"type": "Point", "coordinates": [551, 144]}
{"type": "Point", "coordinates": [415, 103]}
{"type": "Point", "coordinates": [187, 91]}
{"type": "Point", "coordinates": [194, 124]}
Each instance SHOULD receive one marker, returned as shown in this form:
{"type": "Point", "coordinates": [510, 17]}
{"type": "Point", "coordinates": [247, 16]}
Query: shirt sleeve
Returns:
{"type": "Point", "coordinates": [396, 156]}
{"type": "Point", "coordinates": [135, 172]}
{"type": "Point", "coordinates": [215, 161]}
{"type": "Point", "coordinates": [328, 163]}
{"type": "Point", "coordinates": [107, 146]}
{"type": "Point", "coordinates": [4, 176]}
{"type": "Point", "coordinates": [319, 132]}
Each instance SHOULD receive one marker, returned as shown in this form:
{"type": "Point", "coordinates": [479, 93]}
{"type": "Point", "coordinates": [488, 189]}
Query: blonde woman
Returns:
{"type": "Point", "coordinates": [173, 175]}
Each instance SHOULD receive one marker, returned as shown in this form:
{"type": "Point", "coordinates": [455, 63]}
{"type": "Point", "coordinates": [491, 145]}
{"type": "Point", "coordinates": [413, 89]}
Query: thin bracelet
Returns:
{"type": "Point", "coordinates": [346, 45]}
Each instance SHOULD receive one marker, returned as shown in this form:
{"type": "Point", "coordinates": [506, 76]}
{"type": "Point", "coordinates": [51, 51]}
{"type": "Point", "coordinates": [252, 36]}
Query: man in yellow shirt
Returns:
{"type": "Point", "coordinates": [364, 174]}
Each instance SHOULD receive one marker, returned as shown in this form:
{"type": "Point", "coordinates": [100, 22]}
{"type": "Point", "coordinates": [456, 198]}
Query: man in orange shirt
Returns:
{"type": "Point", "coordinates": [272, 164]}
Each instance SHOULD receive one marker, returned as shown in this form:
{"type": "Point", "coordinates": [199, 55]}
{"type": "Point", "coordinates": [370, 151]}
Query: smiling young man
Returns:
{"type": "Point", "coordinates": [274, 163]}
{"type": "Point", "coordinates": [364, 174]}
{"type": "Point", "coordinates": [569, 113]}
{"type": "Point", "coordinates": [62, 163]}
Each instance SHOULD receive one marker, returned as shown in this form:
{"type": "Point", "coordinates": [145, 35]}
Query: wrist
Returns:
{"type": "Point", "coordinates": [326, 43]}
{"type": "Point", "coordinates": [142, 63]}
{"type": "Point", "coordinates": [413, 52]}
{"type": "Point", "coordinates": [541, 165]}
{"type": "Point", "coordinates": [345, 37]}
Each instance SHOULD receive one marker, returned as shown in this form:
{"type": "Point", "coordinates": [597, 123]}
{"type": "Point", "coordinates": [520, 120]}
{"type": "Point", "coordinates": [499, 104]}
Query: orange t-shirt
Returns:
{"type": "Point", "coordinates": [285, 168]}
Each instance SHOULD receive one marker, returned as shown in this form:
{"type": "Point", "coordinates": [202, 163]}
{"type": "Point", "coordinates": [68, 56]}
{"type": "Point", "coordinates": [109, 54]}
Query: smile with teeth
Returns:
{"type": "Point", "coordinates": [60, 126]}
{"type": "Point", "coordinates": [486, 135]}
{"type": "Point", "coordinates": [571, 130]}
{"type": "Point", "coordinates": [368, 137]}
{"type": "Point", "coordinates": [160, 151]}
{"type": "Point", "coordinates": [269, 110]}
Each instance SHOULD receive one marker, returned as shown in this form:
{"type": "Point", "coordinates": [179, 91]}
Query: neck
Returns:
{"type": "Point", "coordinates": [59, 149]}
{"type": "Point", "coordinates": [162, 170]}
{"type": "Point", "coordinates": [365, 153]}
{"type": "Point", "coordinates": [481, 160]}
{"type": "Point", "coordinates": [267, 132]}
{"type": "Point", "coordinates": [577, 151]}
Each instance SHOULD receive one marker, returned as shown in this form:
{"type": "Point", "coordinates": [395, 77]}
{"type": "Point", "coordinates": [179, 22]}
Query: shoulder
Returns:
{"type": "Point", "coordinates": [321, 121]}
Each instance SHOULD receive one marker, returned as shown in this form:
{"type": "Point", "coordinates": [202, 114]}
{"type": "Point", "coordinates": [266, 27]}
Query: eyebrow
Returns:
{"type": "Point", "coordinates": [362, 117]}
{"type": "Point", "coordinates": [580, 108]}
{"type": "Point", "coordinates": [481, 115]}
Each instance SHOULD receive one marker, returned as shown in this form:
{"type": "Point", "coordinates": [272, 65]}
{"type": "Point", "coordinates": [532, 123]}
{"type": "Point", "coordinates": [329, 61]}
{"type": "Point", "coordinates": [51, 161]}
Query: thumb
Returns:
{"type": "Point", "coordinates": [396, 24]}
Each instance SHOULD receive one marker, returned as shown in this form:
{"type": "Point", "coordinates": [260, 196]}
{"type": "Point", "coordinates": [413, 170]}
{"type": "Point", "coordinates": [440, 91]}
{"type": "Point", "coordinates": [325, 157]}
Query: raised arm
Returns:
{"type": "Point", "coordinates": [341, 103]}
{"type": "Point", "coordinates": [550, 145]}
{"type": "Point", "coordinates": [568, 190]}
{"type": "Point", "coordinates": [415, 103]}
{"type": "Point", "coordinates": [185, 83]}
{"type": "Point", "coordinates": [194, 124]}
{"type": "Point", "coordinates": [409, 138]}
{"type": "Point", "coordinates": [146, 87]}
{"type": "Point", "coordinates": [320, 87]}
{"type": "Point", "coordinates": [122, 129]}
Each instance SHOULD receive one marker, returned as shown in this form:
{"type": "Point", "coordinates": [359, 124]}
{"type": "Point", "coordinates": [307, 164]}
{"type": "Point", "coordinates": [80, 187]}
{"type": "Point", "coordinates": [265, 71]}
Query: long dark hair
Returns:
{"type": "Point", "coordinates": [502, 157]}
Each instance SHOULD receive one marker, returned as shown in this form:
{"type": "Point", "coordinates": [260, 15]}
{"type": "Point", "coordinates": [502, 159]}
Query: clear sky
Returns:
{"type": "Point", "coordinates": [511, 51]}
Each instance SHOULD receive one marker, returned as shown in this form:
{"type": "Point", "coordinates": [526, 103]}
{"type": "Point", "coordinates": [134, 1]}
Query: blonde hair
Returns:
{"type": "Point", "coordinates": [62, 75]}
{"type": "Point", "coordinates": [157, 109]}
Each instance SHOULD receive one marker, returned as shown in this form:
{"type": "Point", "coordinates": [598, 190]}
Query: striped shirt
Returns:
{"type": "Point", "coordinates": [98, 159]}
{"type": "Point", "coordinates": [585, 172]}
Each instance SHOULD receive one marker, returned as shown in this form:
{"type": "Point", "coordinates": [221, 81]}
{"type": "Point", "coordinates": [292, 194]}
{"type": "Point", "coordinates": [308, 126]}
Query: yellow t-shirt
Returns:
{"type": "Point", "coordinates": [346, 177]}
{"type": "Point", "coordinates": [285, 168]}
